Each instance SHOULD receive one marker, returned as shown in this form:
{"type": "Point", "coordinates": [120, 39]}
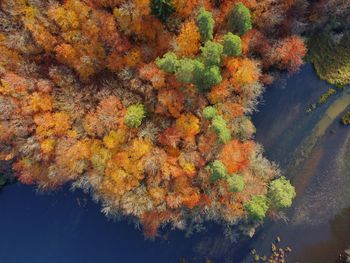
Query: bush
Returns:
{"type": "Point", "coordinates": [212, 53]}
{"type": "Point", "coordinates": [220, 126]}
{"type": "Point", "coordinates": [345, 120]}
{"type": "Point", "coordinates": [162, 9]}
{"type": "Point", "coordinates": [169, 63]}
{"type": "Point", "coordinates": [235, 183]}
{"type": "Point", "coordinates": [257, 207]}
{"type": "Point", "coordinates": [281, 193]}
{"type": "Point", "coordinates": [232, 45]}
{"type": "Point", "coordinates": [134, 115]}
{"type": "Point", "coordinates": [240, 19]}
{"type": "Point", "coordinates": [209, 112]}
{"type": "Point", "coordinates": [205, 24]}
{"type": "Point", "coordinates": [218, 170]}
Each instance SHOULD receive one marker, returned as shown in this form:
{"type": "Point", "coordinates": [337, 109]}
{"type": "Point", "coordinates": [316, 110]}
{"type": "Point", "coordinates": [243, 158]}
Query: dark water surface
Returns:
{"type": "Point", "coordinates": [65, 227]}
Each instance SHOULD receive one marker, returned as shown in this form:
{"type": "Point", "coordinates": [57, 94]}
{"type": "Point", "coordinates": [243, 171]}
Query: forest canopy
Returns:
{"type": "Point", "coordinates": [145, 104]}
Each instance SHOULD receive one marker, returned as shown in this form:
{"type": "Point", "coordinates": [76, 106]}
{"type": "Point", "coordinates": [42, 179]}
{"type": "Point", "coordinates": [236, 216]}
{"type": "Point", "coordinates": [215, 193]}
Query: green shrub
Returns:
{"type": "Point", "coordinates": [220, 127]}
{"type": "Point", "coordinates": [235, 183]}
{"type": "Point", "coordinates": [209, 112]}
{"type": "Point", "coordinates": [281, 193]}
{"type": "Point", "coordinates": [232, 45]}
{"type": "Point", "coordinates": [162, 9]}
{"type": "Point", "coordinates": [345, 120]}
{"type": "Point", "coordinates": [240, 19]}
{"type": "Point", "coordinates": [218, 170]}
{"type": "Point", "coordinates": [205, 24]}
{"type": "Point", "coordinates": [324, 97]}
{"type": "Point", "coordinates": [134, 115]}
{"type": "Point", "coordinates": [212, 53]}
{"type": "Point", "coordinates": [257, 207]}
{"type": "Point", "coordinates": [169, 63]}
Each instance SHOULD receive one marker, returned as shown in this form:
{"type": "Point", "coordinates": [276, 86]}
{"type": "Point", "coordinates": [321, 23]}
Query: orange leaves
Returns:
{"type": "Point", "coordinates": [219, 92]}
{"type": "Point", "coordinates": [243, 71]}
{"type": "Point", "coordinates": [40, 102]}
{"type": "Point", "coordinates": [188, 125]}
{"type": "Point", "coordinates": [188, 41]}
{"type": "Point", "coordinates": [171, 100]}
{"type": "Point", "coordinates": [185, 8]}
{"type": "Point", "coordinates": [170, 137]}
{"type": "Point", "coordinates": [235, 155]}
{"type": "Point", "coordinates": [153, 74]}
{"type": "Point", "coordinates": [290, 52]}
{"type": "Point", "coordinates": [48, 124]}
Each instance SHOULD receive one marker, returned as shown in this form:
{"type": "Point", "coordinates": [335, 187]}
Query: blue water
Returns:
{"type": "Point", "coordinates": [66, 227]}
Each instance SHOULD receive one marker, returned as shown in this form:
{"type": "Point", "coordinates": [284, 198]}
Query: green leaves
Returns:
{"type": "Point", "coordinates": [235, 183]}
{"type": "Point", "coordinates": [281, 193]}
{"type": "Point", "coordinates": [212, 53]}
{"type": "Point", "coordinates": [205, 24]}
{"type": "Point", "coordinates": [232, 45]}
{"type": "Point", "coordinates": [162, 9]}
{"type": "Point", "coordinates": [218, 170]}
{"type": "Point", "coordinates": [220, 126]}
{"type": "Point", "coordinates": [209, 112]}
{"type": "Point", "coordinates": [169, 63]}
{"type": "Point", "coordinates": [240, 19]}
{"type": "Point", "coordinates": [134, 115]}
{"type": "Point", "coordinates": [257, 207]}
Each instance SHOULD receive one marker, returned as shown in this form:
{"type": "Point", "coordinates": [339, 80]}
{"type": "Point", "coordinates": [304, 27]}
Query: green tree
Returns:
{"type": "Point", "coordinates": [281, 193]}
{"type": "Point", "coordinates": [162, 9]}
{"type": "Point", "coordinates": [232, 45]}
{"type": "Point", "coordinates": [205, 24]}
{"type": "Point", "coordinates": [169, 63]}
{"type": "Point", "coordinates": [240, 19]}
{"type": "Point", "coordinates": [134, 115]}
{"type": "Point", "coordinates": [218, 170]}
{"type": "Point", "coordinates": [220, 127]}
{"type": "Point", "coordinates": [209, 112]}
{"type": "Point", "coordinates": [184, 72]}
{"type": "Point", "coordinates": [212, 53]}
{"type": "Point", "coordinates": [257, 207]}
{"type": "Point", "coordinates": [235, 183]}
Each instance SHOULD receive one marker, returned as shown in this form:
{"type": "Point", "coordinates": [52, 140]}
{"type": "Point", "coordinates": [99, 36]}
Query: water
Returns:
{"type": "Point", "coordinates": [311, 149]}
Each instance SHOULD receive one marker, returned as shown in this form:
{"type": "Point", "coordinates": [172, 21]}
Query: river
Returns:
{"type": "Point", "coordinates": [311, 149]}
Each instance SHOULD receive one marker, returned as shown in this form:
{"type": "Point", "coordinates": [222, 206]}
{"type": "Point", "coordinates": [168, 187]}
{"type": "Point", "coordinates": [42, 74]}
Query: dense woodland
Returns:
{"type": "Point", "coordinates": [145, 104]}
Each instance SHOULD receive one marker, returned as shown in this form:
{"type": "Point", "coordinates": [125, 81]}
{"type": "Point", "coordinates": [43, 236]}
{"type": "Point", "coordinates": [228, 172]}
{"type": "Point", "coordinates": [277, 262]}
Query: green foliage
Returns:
{"type": "Point", "coordinates": [162, 9]}
{"type": "Point", "coordinates": [212, 53]}
{"type": "Point", "coordinates": [134, 115]}
{"type": "Point", "coordinates": [218, 170]}
{"type": "Point", "coordinates": [220, 126]}
{"type": "Point", "coordinates": [324, 97]}
{"type": "Point", "coordinates": [331, 58]}
{"type": "Point", "coordinates": [235, 183]}
{"type": "Point", "coordinates": [185, 70]}
{"type": "Point", "coordinates": [345, 120]}
{"type": "Point", "coordinates": [257, 208]}
{"type": "Point", "coordinates": [205, 24]}
{"type": "Point", "coordinates": [209, 112]}
{"type": "Point", "coordinates": [169, 63]}
{"type": "Point", "coordinates": [240, 19]}
{"type": "Point", "coordinates": [232, 45]}
{"type": "Point", "coordinates": [281, 193]}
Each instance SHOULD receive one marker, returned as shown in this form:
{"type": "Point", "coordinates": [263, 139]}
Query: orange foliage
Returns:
{"type": "Point", "coordinates": [188, 125]}
{"type": "Point", "coordinates": [243, 71]}
{"type": "Point", "coordinates": [188, 41]}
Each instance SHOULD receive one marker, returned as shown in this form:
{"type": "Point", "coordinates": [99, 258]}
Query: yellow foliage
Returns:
{"type": "Point", "coordinates": [66, 19]}
{"type": "Point", "coordinates": [188, 167]}
{"type": "Point", "coordinates": [114, 139]}
{"type": "Point", "coordinates": [188, 125]}
{"type": "Point", "coordinates": [48, 145]}
{"type": "Point", "coordinates": [188, 41]}
{"type": "Point", "coordinates": [139, 148]}
{"type": "Point", "coordinates": [40, 102]}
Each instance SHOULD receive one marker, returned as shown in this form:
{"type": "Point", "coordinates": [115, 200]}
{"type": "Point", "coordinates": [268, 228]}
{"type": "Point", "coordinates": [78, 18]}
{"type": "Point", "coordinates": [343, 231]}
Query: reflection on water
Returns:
{"type": "Point", "coordinates": [312, 150]}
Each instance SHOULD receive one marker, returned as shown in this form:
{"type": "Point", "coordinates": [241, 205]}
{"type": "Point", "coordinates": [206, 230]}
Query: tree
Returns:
{"type": "Point", "coordinates": [188, 41]}
{"type": "Point", "coordinates": [185, 70]}
{"type": "Point", "coordinates": [212, 53]}
{"type": "Point", "coordinates": [162, 9]}
{"type": "Point", "coordinates": [220, 126]}
{"type": "Point", "coordinates": [257, 207]}
{"type": "Point", "coordinates": [217, 170]}
{"type": "Point", "coordinates": [209, 112]}
{"type": "Point", "coordinates": [206, 76]}
{"type": "Point", "coordinates": [235, 183]}
{"type": "Point", "coordinates": [205, 24]}
{"type": "Point", "coordinates": [169, 63]}
{"type": "Point", "coordinates": [281, 193]}
{"type": "Point", "coordinates": [232, 45]}
{"type": "Point", "coordinates": [188, 125]}
{"type": "Point", "coordinates": [134, 115]}
{"type": "Point", "coordinates": [239, 20]}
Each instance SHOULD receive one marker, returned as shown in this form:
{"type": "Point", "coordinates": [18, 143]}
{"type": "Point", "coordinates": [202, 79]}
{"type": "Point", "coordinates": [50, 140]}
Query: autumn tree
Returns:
{"type": "Point", "coordinates": [205, 24]}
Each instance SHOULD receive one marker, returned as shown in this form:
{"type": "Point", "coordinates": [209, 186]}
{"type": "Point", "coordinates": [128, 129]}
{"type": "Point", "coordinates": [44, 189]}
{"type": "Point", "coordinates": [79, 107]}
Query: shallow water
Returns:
{"type": "Point", "coordinates": [310, 148]}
